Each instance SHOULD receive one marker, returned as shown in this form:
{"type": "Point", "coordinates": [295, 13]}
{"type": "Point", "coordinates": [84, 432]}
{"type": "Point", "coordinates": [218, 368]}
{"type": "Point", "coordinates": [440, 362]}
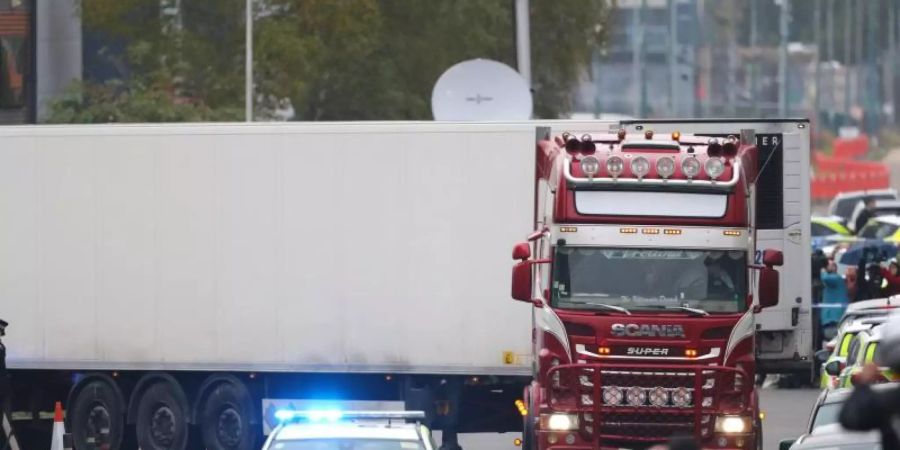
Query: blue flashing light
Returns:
{"type": "Point", "coordinates": [329, 415]}
{"type": "Point", "coordinates": [285, 414]}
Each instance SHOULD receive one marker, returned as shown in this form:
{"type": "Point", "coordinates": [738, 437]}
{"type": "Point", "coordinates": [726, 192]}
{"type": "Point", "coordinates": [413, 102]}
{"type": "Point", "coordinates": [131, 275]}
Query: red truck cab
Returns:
{"type": "Point", "coordinates": [642, 278]}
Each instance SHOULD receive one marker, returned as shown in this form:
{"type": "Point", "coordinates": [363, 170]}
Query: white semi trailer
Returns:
{"type": "Point", "coordinates": [162, 281]}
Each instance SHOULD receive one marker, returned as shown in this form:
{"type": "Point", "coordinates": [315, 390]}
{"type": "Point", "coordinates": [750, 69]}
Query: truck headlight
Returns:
{"type": "Point", "coordinates": [733, 424]}
{"type": "Point", "coordinates": [559, 422]}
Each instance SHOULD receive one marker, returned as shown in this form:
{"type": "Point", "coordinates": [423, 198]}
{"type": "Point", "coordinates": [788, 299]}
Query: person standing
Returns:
{"type": "Point", "coordinates": [834, 298]}
{"type": "Point", "coordinates": [892, 276]}
{"type": "Point", "coordinates": [867, 213]}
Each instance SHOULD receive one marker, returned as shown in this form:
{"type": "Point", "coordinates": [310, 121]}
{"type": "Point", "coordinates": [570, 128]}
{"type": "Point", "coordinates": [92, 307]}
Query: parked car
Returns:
{"type": "Point", "coordinates": [863, 351]}
{"type": "Point", "coordinates": [834, 437]}
{"type": "Point", "coordinates": [834, 357]}
{"type": "Point", "coordinates": [827, 231]}
{"type": "Point", "coordinates": [882, 208]}
{"type": "Point", "coordinates": [824, 431]}
{"type": "Point", "coordinates": [882, 228]}
{"type": "Point", "coordinates": [843, 204]}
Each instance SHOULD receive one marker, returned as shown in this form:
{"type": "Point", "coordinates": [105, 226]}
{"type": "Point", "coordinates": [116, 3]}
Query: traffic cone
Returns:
{"type": "Point", "coordinates": [59, 429]}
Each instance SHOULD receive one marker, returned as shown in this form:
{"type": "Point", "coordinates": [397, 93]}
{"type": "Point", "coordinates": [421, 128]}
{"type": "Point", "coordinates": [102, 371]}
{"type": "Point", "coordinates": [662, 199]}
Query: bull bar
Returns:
{"type": "Point", "coordinates": [613, 414]}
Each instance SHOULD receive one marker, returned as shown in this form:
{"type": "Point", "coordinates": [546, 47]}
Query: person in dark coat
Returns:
{"type": "Point", "coordinates": [867, 213]}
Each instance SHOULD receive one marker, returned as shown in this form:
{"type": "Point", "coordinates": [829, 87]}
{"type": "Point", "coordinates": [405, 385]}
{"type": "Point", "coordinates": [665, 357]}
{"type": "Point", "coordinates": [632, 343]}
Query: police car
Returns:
{"type": "Point", "coordinates": [350, 430]}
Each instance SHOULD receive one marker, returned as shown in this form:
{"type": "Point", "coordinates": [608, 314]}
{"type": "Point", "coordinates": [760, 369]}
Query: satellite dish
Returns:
{"type": "Point", "coordinates": [481, 89]}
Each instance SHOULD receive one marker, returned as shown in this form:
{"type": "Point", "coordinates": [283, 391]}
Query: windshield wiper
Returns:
{"type": "Point", "coordinates": [609, 307]}
{"type": "Point", "coordinates": [694, 311]}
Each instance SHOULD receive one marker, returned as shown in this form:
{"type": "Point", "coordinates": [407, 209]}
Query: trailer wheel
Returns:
{"type": "Point", "coordinates": [97, 417]}
{"type": "Point", "coordinates": [226, 418]}
{"type": "Point", "coordinates": [162, 418]}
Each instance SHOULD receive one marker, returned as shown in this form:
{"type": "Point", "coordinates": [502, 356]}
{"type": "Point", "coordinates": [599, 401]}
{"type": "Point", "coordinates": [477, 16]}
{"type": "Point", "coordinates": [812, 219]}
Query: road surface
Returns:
{"type": "Point", "coordinates": [786, 411]}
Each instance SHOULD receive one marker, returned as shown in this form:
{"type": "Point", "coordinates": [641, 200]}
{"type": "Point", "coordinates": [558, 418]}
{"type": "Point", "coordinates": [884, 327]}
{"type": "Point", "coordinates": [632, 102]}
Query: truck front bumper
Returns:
{"type": "Point", "coordinates": [619, 406]}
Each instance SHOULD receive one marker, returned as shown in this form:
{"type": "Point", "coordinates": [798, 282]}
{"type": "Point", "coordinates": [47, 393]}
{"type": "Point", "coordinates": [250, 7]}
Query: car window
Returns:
{"type": "Point", "coordinates": [827, 414]}
{"type": "Point", "coordinates": [846, 206]}
{"type": "Point", "coordinates": [871, 353]}
{"type": "Point", "coordinates": [845, 344]}
{"type": "Point", "coordinates": [878, 230]}
{"type": "Point", "coordinates": [892, 211]}
{"type": "Point", "coordinates": [853, 354]}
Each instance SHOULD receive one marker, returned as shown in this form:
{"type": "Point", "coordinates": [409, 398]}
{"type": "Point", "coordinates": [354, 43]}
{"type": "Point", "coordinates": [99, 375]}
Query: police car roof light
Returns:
{"type": "Point", "coordinates": [337, 415]}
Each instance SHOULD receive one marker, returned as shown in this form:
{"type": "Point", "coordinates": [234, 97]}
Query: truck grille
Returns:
{"type": "Point", "coordinates": [640, 427]}
{"type": "Point", "coordinates": [646, 404]}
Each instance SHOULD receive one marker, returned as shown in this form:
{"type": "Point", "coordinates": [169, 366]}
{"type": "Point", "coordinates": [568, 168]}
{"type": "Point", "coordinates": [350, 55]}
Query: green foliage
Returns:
{"type": "Point", "coordinates": [328, 59]}
{"type": "Point", "coordinates": [113, 102]}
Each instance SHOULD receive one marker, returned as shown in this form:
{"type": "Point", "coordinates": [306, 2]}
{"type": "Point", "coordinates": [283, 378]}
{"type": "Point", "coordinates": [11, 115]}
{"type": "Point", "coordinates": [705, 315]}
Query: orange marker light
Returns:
{"type": "Point", "coordinates": [650, 231]}
{"type": "Point", "coordinates": [690, 353]}
{"type": "Point", "coordinates": [732, 232]}
{"type": "Point", "coordinates": [517, 442]}
{"type": "Point", "coordinates": [628, 230]}
{"type": "Point", "coordinates": [520, 405]}
{"type": "Point", "coordinates": [671, 231]}
{"type": "Point", "coordinates": [676, 135]}
{"type": "Point", "coordinates": [604, 350]}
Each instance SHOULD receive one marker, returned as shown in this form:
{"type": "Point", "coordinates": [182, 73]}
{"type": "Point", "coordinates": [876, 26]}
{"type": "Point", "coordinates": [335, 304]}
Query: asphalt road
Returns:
{"type": "Point", "coordinates": [787, 411]}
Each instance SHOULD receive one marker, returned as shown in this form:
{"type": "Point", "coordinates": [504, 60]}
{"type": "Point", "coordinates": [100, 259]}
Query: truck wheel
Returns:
{"type": "Point", "coordinates": [528, 433]}
{"type": "Point", "coordinates": [759, 433]}
{"type": "Point", "coordinates": [97, 417]}
{"type": "Point", "coordinates": [162, 418]}
{"type": "Point", "coordinates": [225, 418]}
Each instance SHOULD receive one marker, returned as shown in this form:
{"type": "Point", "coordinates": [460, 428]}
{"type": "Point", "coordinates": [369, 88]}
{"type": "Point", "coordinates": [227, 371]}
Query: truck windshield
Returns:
{"type": "Point", "coordinates": [650, 279]}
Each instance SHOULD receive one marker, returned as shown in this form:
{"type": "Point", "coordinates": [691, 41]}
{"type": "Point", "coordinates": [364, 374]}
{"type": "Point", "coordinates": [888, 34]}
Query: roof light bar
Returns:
{"type": "Point", "coordinates": [332, 415]}
{"type": "Point", "coordinates": [614, 165]}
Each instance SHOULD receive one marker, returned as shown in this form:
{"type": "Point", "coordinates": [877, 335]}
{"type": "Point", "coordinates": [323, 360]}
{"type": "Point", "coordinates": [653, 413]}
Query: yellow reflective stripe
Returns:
{"type": "Point", "coordinates": [870, 352]}
{"type": "Point", "coordinates": [836, 227]}
{"type": "Point", "coordinates": [845, 344]}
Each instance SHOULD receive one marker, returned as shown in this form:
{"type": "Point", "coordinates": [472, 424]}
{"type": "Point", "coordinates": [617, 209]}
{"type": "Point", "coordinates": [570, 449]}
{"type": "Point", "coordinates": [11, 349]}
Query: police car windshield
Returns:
{"type": "Point", "coordinates": [649, 279]}
{"type": "Point", "coordinates": [347, 444]}
{"type": "Point", "coordinates": [827, 414]}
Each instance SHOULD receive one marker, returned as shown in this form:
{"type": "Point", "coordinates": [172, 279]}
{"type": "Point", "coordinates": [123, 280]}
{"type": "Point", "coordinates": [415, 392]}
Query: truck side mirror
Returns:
{"type": "Point", "coordinates": [833, 368]}
{"type": "Point", "coordinates": [768, 287]}
{"type": "Point", "coordinates": [773, 258]}
{"type": "Point", "coordinates": [521, 251]}
{"type": "Point", "coordinates": [522, 283]}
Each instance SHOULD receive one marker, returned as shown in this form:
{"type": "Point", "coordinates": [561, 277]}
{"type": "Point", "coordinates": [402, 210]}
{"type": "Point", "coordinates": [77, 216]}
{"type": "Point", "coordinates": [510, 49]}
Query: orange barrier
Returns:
{"type": "Point", "coordinates": [849, 148]}
{"type": "Point", "coordinates": [825, 163]}
{"type": "Point", "coordinates": [825, 187]}
{"type": "Point", "coordinates": [834, 175]}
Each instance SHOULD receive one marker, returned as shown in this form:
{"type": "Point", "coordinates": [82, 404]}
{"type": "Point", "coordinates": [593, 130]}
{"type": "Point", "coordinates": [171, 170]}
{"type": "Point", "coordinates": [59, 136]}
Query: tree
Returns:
{"type": "Point", "coordinates": [326, 59]}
